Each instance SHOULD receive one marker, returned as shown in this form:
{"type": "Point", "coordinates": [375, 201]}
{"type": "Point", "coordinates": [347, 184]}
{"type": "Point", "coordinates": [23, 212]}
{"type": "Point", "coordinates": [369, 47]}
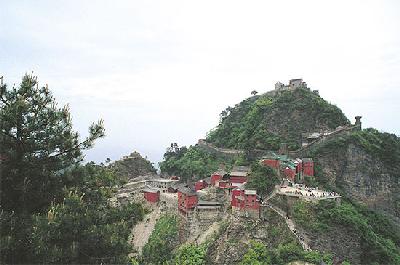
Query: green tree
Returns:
{"type": "Point", "coordinates": [162, 241]}
{"type": "Point", "coordinates": [38, 144]}
{"type": "Point", "coordinates": [76, 232]}
{"type": "Point", "coordinates": [262, 178]}
{"type": "Point", "coordinates": [191, 162]}
{"type": "Point", "coordinates": [254, 92]}
{"type": "Point", "coordinates": [190, 254]}
{"type": "Point", "coordinates": [257, 254]}
{"type": "Point", "coordinates": [53, 209]}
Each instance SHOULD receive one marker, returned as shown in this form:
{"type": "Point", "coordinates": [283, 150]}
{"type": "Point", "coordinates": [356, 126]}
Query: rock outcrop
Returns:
{"type": "Point", "coordinates": [233, 242]}
{"type": "Point", "coordinates": [361, 176]}
{"type": "Point", "coordinates": [133, 166]}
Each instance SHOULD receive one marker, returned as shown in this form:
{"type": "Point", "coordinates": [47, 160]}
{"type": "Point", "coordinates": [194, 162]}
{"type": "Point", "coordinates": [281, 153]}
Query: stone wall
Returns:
{"type": "Point", "coordinates": [206, 217]}
{"type": "Point", "coordinates": [169, 203]}
{"type": "Point", "coordinates": [305, 150]}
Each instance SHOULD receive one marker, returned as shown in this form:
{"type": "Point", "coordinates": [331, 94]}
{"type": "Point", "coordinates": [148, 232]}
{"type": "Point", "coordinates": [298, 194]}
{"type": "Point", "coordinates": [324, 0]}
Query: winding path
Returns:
{"type": "Point", "coordinates": [303, 239]}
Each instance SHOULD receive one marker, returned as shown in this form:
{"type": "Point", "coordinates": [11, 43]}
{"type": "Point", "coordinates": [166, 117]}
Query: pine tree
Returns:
{"type": "Point", "coordinates": [37, 145]}
{"type": "Point", "coordinates": [53, 209]}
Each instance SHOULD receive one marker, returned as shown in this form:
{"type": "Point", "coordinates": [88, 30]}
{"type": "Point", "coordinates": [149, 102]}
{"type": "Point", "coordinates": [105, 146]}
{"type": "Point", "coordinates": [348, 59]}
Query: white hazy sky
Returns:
{"type": "Point", "coordinates": [161, 71]}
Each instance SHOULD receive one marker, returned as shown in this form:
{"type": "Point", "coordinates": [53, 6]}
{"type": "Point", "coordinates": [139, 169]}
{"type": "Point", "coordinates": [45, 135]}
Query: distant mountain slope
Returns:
{"type": "Point", "coordinates": [133, 166]}
{"type": "Point", "coordinates": [265, 121]}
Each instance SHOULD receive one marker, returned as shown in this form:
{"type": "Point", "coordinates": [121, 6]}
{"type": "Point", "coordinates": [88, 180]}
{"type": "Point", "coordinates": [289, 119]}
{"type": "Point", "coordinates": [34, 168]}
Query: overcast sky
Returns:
{"type": "Point", "coordinates": [161, 71]}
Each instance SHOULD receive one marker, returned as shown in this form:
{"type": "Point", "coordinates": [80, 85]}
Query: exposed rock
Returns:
{"type": "Point", "coordinates": [361, 177]}
{"type": "Point", "coordinates": [233, 243]}
{"type": "Point", "coordinates": [340, 241]}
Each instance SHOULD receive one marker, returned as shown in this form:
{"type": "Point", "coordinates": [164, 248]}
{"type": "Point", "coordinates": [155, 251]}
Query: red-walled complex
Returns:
{"type": "Point", "coordinates": [187, 200]}
{"type": "Point", "coordinates": [151, 195]}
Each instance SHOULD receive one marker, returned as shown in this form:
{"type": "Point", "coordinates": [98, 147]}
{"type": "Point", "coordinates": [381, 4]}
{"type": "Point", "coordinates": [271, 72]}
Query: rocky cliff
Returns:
{"type": "Point", "coordinates": [365, 167]}
{"type": "Point", "coordinates": [234, 241]}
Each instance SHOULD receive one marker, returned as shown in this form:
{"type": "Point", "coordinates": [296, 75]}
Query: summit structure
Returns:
{"type": "Point", "coordinates": [293, 84]}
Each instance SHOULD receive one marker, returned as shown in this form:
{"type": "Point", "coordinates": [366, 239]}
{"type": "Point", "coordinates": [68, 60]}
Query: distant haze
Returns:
{"type": "Point", "coordinates": [161, 71]}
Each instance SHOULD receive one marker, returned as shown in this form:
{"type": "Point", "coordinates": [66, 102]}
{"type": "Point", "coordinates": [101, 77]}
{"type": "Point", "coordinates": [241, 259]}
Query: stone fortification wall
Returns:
{"type": "Point", "coordinates": [305, 150]}
{"type": "Point", "coordinates": [229, 153]}
{"type": "Point", "coordinates": [198, 221]}
{"type": "Point", "coordinates": [225, 152]}
{"type": "Point", "coordinates": [204, 218]}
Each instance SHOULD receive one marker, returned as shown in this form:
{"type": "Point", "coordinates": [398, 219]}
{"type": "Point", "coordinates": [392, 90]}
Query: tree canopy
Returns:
{"type": "Point", "coordinates": [192, 162]}
{"type": "Point", "coordinates": [262, 178]}
{"type": "Point", "coordinates": [53, 208]}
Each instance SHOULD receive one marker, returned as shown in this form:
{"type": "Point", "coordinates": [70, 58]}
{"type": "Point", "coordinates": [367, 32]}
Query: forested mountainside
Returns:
{"type": "Point", "coordinates": [133, 166]}
{"type": "Point", "coordinates": [265, 121]}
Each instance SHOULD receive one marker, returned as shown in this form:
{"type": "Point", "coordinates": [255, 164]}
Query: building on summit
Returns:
{"type": "Point", "coordinates": [293, 84]}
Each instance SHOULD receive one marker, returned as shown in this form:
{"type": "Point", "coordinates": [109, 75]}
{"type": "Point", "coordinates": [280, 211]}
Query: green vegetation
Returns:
{"type": "Point", "coordinates": [190, 162]}
{"type": "Point", "coordinates": [262, 178]}
{"type": "Point", "coordinates": [76, 232]}
{"type": "Point", "coordinates": [132, 166]}
{"type": "Point", "coordinates": [380, 238]}
{"type": "Point", "coordinates": [306, 217]}
{"type": "Point", "coordinates": [265, 121]}
{"type": "Point", "coordinates": [190, 254]}
{"type": "Point", "coordinates": [258, 254]}
{"type": "Point", "coordinates": [379, 145]}
{"type": "Point", "coordinates": [53, 208]}
{"type": "Point", "coordinates": [163, 240]}
{"type": "Point", "coordinates": [384, 146]}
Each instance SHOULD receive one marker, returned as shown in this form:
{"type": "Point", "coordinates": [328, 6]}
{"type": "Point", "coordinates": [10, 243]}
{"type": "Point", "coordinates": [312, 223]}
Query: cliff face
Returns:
{"type": "Point", "coordinates": [339, 240]}
{"type": "Point", "coordinates": [232, 244]}
{"type": "Point", "coordinates": [364, 175]}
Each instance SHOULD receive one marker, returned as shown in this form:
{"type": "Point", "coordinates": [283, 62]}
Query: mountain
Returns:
{"type": "Point", "coordinates": [362, 165]}
{"type": "Point", "coordinates": [133, 166]}
{"type": "Point", "coordinates": [280, 116]}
